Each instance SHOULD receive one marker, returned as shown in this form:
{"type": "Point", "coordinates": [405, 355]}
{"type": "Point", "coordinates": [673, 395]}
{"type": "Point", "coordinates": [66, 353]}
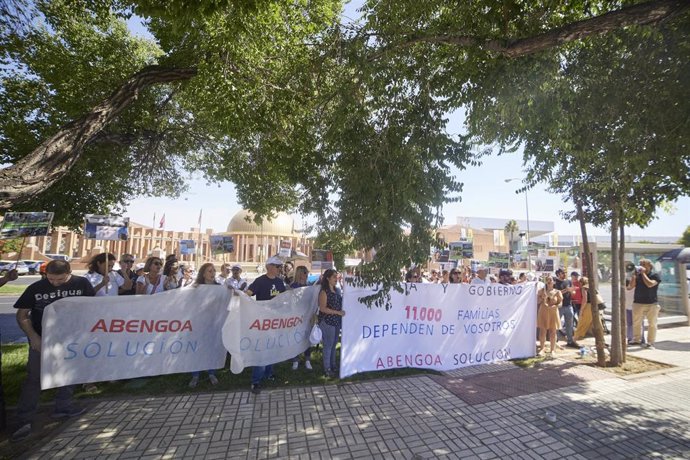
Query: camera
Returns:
{"type": "Point", "coordinates": [638, 269]}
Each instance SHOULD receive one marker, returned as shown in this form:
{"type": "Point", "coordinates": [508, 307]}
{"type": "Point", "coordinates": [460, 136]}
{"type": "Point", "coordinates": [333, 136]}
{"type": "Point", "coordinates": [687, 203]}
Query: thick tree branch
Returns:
{"type": "Point", "coordinates": [51, 160]}
{"type": "Point", "coordinates": [641, 14]}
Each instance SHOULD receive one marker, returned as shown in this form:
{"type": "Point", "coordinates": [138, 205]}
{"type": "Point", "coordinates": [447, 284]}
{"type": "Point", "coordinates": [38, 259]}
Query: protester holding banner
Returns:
{"type": "Point", "coordinates": [151, 282]}
{"type": "Point", "coordinates": [224, 274]}
{"type": "Point", "coordinates": [187, 279]}
{"type": "Point", "coordinates": [265, 287]}
{"type": "Point", "coordinates": [104, 280]}
{"type": "Point", "coordinates": [170, 272]}
{"type": "Point", "coordinates": [59, 283]}
{"type": "Point", "coordinates": [301, 275]}
{"type": "Point", "coordinates": [236, 281]}
{"type": "Point", "coordinates": [481, 278]}
{"type": "Point", "coordinates": [548, 318]}
{"type": "Point", "coordinates": [410, 277]}
{"type": "Point", "coordinates": [127, 272]}
{"type": "Point", "coordinates": [288, 272]}
{"type": "Point", "coordinates": [330, 319]}
{"type": "Point", "coordinates": [455, 276]}
{"type": "Point", "coordinates": [206, 276]}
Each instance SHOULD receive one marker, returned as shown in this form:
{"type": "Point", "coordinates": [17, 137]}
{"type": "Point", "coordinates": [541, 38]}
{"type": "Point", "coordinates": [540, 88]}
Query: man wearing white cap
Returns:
{"type": "Point", "coordinates": [481, 277]}
{"type": "Point", "coordinates": [266, 287]}
{"type": "Point", "coordinates": [236, 281]}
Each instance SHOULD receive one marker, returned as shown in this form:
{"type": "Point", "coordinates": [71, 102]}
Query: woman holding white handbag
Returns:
{"type": "Point", "coordinates": [330, 319]}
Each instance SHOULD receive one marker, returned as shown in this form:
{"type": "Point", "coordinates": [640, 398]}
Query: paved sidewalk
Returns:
{"type": "Point", "coordinates": [492, 411]}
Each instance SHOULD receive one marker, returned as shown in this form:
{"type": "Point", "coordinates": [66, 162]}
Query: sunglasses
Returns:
{"type": "Point", "coordinates": [127, 261]}
{"type": "Point", "coordinates": [156, 263]}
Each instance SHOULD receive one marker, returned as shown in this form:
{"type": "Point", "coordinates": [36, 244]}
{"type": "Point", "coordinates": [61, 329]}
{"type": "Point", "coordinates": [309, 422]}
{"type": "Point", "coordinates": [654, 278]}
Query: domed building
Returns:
{"type": "Point", "coordinates": [254, 243]}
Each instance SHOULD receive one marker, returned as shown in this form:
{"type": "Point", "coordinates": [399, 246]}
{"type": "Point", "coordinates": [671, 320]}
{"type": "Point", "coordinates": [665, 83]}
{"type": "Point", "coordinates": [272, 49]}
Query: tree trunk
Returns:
{"type": "Point", "coordinates": [623, 291]}
{"type": "Point", "coordinates": [54, 157]}
{"type": "Point", "coordinates": [615, 349]}
{"type": "Point", "coordinates": [587, 262]}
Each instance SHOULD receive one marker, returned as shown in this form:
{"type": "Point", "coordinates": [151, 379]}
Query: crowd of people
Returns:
{"type": "Point", "coordinates": [566, 307]}
{"type": "Point", "coordinates": [152, 277]}
{"type": "Point", "coordinates": [562, 303]}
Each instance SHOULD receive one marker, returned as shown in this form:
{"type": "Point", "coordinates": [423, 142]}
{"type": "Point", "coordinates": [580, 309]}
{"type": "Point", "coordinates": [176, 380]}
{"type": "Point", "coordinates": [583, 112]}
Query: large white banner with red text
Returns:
{"type": "Point", "coordinates": [437, 326]}
{"type": "Point", "coordinates": [91, 339]}
{"type": "Point", "coordinates": [268, 332]}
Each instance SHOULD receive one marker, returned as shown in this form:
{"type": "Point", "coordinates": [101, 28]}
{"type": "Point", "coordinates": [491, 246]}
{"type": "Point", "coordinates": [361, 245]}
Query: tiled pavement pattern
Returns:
{"type": "Point", "coordinates": [492, 386]}
{"type": "Point", "coordinates": [412, 417]}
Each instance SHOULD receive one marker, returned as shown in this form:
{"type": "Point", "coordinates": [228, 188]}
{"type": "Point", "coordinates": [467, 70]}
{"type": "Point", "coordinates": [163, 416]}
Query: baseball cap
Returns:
{"type": "Point", "coordinates": [274, 260]}
{"type": "Point", "coordinates": [236, 266]}
{"type": "Point", "coordinates": [505, 272]}
{"type": "Point", "coordinates": [574, 274]}
{"type": "Point", "coordinates": [480, 267]}
{"type": "Point", "coordinates": [139, 266]}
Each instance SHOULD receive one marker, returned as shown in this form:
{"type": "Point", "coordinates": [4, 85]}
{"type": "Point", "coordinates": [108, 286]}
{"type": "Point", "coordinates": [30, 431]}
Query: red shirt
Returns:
{"type": "Point", "coordinates": [577, 295]}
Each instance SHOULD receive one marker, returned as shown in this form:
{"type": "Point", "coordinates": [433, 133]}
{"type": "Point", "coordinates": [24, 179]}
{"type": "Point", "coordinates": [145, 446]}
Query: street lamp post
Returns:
{"type": "Point", "coordinates": [529, 257]}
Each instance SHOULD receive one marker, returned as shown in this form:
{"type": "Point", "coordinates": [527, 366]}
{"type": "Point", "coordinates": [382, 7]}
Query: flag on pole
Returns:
{"type": "Point", "coordinates": [161, 224]}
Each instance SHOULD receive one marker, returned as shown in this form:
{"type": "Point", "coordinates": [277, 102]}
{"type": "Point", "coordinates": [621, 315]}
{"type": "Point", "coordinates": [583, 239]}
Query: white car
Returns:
{"type": "Point", "coordinates": [7, 265]}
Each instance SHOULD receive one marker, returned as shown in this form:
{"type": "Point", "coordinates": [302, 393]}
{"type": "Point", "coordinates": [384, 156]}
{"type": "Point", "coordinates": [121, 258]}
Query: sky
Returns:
{"type": "Point", "coordinates": [486, 194]}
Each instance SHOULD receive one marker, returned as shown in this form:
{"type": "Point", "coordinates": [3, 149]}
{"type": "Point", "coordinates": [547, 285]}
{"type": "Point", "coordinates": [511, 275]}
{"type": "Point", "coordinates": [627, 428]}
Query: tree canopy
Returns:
{"type": "Point", "coordinates": [343, 122]}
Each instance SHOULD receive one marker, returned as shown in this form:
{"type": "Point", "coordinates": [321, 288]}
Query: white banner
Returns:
{"type": "Point", "coordinates": [441, 327]}
{"type": "Point", "coordinates": [270, 331]}
{"type": "Point", "coordinates": [89, 339]}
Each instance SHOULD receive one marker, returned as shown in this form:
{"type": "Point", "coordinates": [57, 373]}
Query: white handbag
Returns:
{"type": "Point", "coordinates": [316, 335]}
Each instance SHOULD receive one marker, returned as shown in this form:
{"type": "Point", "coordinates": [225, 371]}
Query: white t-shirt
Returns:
{"type": "Point", "coordinates": [221, 280]}
{"type": "Point", "coordinates": [481, 281]}
{"type": "Point", "coordinates": [236, 283]}
{"type": "Point", "coordinates": [151, 288]}
{"type": "Point", "coordinates": [115, 281]}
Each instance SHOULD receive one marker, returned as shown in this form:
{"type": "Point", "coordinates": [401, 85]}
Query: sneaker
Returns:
{"type": "Point", "coordinates": [256, 388]}
{"type": "Point", "coordinates": [633, 343]}
{"type": "Point", "coordinates": [71, 411]}
{"type": "Point", "coordinates": [194, 382]}
{"type": "Point", "coordinates": [572, 345]}
{"type": "Point", "coordinates": [295, 365]}
{"type": "Point", "coordinates": [307, 364]}
{"type": "Point", "coordinates": [22, 433]}
{"type": "Point", "coordinates": [649, 346]}
{"type": "Point", "coordinates": [213, 379]}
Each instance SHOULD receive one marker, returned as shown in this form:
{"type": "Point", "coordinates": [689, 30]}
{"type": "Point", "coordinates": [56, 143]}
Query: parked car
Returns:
{"type": "Point", "coordinates": [33, 265]}
{"type": "Point", "coordinates": [7, 265]}
{"type": "Point", "coordinates": [59, 257]}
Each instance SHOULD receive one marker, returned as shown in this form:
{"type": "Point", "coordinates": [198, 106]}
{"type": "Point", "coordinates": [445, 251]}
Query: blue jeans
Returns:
{"type": "Point", "coordinates": [31, 391]}
{"type": "Point", "coordinates": [567, 312]}
{"type": "Point", "coordinates": [261, 372]}
{"type": "Point", "coordinates": [330, 340]}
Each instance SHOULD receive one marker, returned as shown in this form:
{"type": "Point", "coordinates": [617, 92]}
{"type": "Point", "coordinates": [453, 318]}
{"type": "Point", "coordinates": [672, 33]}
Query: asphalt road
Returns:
{"type": "Point", "coordinates": [9, 330]}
